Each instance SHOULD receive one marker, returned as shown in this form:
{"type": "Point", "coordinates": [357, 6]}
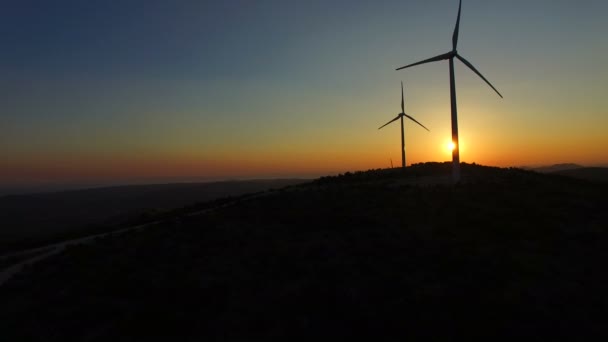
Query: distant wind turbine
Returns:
{"type": "Point", "coordinates": [450, 56]}
{"type": "Point", "coordinates": [400, 116]}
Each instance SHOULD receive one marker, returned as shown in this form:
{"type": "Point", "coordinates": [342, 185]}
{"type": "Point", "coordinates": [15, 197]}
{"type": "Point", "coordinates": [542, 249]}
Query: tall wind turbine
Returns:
{"type": "Point", "coordinates": [450, 56]}
{"type": "Point", "coordinates": [400, 116]}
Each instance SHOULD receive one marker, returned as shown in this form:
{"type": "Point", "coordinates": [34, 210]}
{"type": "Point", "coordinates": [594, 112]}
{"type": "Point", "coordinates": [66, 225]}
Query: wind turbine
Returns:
{"type": "Point", "coordinates": [400, 116]}
{"type": "Point", "coordinates": [450, 56]}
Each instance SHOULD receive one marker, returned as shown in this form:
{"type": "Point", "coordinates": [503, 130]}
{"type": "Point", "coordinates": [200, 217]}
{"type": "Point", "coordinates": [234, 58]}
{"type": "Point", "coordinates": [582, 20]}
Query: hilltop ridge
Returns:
{"type": "Point", "coordinates": [507, 252]}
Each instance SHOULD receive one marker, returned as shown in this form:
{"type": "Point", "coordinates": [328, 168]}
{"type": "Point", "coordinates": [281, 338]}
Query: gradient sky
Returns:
{"type": "Point", "coordinates": [122, 91]}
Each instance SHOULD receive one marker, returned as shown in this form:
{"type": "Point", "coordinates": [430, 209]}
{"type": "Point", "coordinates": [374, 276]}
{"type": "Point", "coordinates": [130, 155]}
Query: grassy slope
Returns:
{"type": "Point", "coordinates": [363, 255]}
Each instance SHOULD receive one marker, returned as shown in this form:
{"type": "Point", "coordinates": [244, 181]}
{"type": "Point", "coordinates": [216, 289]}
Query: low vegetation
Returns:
{"type": "Point", "coordinates": [382, 254]}
{"type": "Point", "coordinates": [35, 220]}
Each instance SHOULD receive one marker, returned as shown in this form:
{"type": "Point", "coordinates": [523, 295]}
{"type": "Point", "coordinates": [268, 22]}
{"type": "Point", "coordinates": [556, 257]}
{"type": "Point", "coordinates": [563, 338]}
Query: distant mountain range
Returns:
{"type": "Point", "coordinates": [599, 174]}
{"type": "Point", "coordinates": [576, 171]}
{"type": "Point", "coordinates": [556, 167]}
{"type": "Point", "coordinates": [44, 215]}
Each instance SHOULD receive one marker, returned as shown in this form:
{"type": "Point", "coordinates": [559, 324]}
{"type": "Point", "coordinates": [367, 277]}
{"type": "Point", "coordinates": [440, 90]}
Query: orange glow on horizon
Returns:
{"type": "Point", "coordinates": [325, 155]}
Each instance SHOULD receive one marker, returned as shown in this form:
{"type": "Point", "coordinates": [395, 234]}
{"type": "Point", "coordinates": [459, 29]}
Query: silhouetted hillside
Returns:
{"type": "Point", "coordinates": [599, 174]}
{"type": "Point", "coordinates": [557, 167]}
{"type": "Point", "coordinates": [376, 255]}
{"type": "Point", "coordinates": [27, 220]}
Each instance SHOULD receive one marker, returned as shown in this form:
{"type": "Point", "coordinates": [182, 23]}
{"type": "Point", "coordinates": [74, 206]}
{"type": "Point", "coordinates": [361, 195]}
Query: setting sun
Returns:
{"type": "Point", "coordinates": [450, 146]}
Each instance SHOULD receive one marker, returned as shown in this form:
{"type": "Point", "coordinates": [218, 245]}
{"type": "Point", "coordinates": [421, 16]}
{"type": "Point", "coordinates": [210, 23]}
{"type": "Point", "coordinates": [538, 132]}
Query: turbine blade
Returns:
{"type": "Point", "coordinates": [456, 29]}
{"type": "Point", "coordinates": [395, 119]}
{"type": "Point", "coordinates": [434, 59]}
{"type": "Point", "coordinates": [402, 102]}
{"type": "Point", "coordinates": [467, 63]}
{"type": "Point", "coordinates": [411, 118]}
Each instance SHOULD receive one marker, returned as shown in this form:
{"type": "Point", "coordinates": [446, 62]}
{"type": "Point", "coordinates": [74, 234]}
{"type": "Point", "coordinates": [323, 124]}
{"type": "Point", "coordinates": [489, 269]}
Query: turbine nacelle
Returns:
{"type": "Point", "coordinates": [450, 55]}
{"type": "Point", "coordinates": [401, 116]}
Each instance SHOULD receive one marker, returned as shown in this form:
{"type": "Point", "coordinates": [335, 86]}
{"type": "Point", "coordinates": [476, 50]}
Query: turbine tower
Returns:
{"type": "Point", "coordinates": [400, 116]}
{"type": "Point", "coordinates": [450, 56]}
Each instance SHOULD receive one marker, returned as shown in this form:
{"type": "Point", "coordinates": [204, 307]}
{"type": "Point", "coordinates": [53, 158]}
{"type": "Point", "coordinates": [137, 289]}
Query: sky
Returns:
{"type": "Point", "coordinates": [145, 91]}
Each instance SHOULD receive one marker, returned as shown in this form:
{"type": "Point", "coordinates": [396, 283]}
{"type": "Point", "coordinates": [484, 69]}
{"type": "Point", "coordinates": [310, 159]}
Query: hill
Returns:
{"type": "Point", "coordinates": [35, 219]}
{"type": "Point", "coordinates": [383, 254]}
{"type": "Point", "coordinates": [599, 174]}
{"type": "Point", "coordinates": [557, 167]}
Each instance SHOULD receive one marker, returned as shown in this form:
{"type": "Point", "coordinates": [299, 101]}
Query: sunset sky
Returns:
{"type": "Point", "coordinates": [136, 91]}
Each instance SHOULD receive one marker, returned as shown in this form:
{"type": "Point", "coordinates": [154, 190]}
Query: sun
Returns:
{"type": "Point", "coordinates": [450, 146]}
